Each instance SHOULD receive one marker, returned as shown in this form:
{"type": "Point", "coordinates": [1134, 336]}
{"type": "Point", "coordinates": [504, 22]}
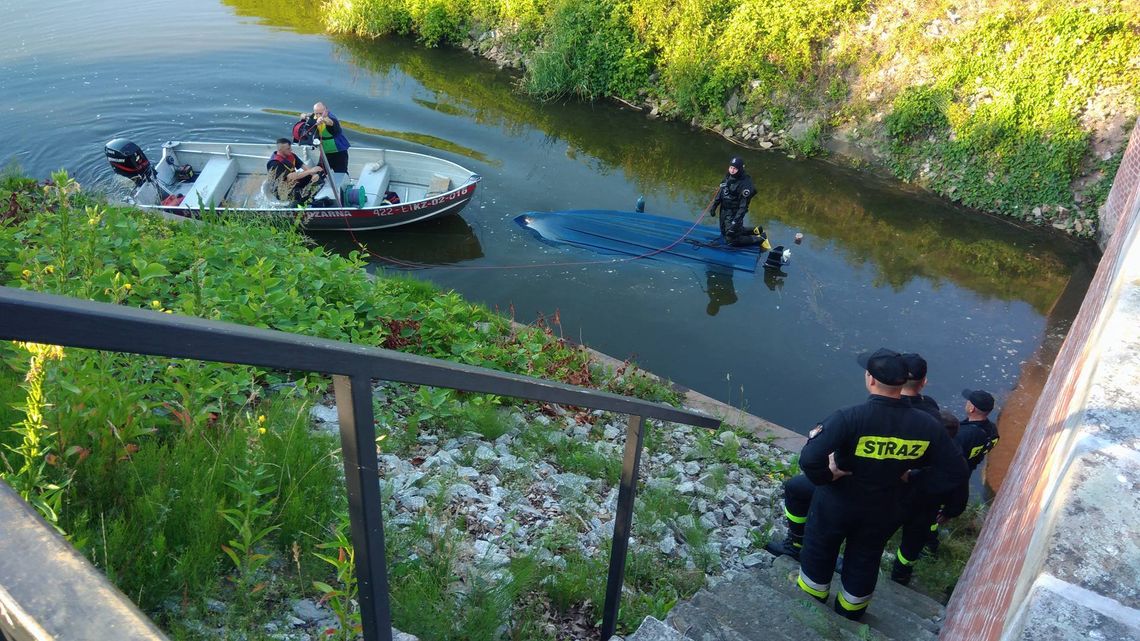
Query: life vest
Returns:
{"type": "Point", "coordinates": [328, 141]}
{"type": "Point", "coordinates": [289, 161]}
{"type": "Point", "coordinates": [330, 144]}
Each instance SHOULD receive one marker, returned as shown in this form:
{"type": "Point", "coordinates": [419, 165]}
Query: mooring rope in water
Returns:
{"type": "Point", "coordinates": [614, 261]}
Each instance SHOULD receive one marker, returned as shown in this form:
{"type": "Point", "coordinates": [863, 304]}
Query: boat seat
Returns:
{"type": "Point", "coordinates": [439, 184]}
{"type": "Point", "coordinates": [374, 180]}
{"type": "Point", "coordinates": [212, 183]}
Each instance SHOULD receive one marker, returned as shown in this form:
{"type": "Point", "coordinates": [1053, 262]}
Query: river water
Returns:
{"type": "Point", "coordinates": [881, 264]}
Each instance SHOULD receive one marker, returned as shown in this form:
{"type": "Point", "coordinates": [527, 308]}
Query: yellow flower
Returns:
{"type": "Point", "coordinates": [155, 304]}
{"type": "Point", "coordinates": [261, 430]}
{"type": "Point", "coordinates": [261, 419]}
{"type": "Point", "coordinates": [93, 220]}
{"type": "Point", "coordinates": [50, 269]}
{"type": "Point", "coordinates": [127, 286]}
{"type": "Point", "coordinates": [27, 273]}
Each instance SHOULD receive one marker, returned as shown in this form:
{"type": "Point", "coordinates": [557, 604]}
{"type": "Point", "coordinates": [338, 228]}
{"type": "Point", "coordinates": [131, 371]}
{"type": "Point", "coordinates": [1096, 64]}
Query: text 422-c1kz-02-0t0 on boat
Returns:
{"type": "Point", "coordinates": [192, 177]}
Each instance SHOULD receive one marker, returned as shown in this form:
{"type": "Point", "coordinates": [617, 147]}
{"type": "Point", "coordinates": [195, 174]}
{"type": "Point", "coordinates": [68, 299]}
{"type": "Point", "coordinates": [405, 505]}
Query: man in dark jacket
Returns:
{"type": "Point", "coordinates": [859, 458]}
{"type": "Point", "coordinates": [977, 434]}
{"type": "Point", "coordinates": [736, 191]}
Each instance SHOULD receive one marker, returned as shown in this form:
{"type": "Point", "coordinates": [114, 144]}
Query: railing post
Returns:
{"type": "Point", "coordinates": [362, 474]}
{"type": "Point", "coordinates": [622, 520]}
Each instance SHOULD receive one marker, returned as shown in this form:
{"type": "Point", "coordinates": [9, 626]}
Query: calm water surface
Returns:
{"type": "Point", "coordinates": [880, 264]}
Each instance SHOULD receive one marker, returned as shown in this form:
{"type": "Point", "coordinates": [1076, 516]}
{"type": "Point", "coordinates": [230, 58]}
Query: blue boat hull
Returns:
{"type": "Point", "coordinates": [628, 233]}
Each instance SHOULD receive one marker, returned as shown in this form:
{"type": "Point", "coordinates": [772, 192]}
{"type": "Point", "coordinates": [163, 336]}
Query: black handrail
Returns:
{"type": "Point", "coordinates": [70, 322]}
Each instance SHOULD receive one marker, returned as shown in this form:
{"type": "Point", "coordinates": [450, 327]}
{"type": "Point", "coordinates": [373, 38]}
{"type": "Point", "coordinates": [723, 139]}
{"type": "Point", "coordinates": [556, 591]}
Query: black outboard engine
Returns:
{"type": "Point", "coordinates": [127, 159]}
{"type": "Point", "coordinates": [777, 258]}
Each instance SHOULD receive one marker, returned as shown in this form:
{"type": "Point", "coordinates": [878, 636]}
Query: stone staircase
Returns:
{"type": "Point", "coordinates": [763, 603]}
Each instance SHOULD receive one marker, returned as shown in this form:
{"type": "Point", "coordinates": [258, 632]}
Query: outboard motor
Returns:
{"type": "Point", "coordinates": [127, 159]}
{"type": "Point", "coordinates": [777, 257]}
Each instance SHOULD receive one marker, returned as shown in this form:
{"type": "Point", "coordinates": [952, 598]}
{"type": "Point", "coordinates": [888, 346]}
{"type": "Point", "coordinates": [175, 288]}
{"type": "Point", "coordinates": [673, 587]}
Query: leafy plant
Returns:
{"type": "Point", "coordinates": [917, 111]}
{"type": "Point", "coordinates": [250, 520]}
{"type": "Point", "coordinates": [35, 455]}
{"type": "Point", "coordinates": [341, 598]}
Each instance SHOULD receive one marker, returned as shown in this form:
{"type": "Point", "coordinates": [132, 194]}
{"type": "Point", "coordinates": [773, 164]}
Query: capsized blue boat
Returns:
{"type": "Point", "coordinates": [629, 233]}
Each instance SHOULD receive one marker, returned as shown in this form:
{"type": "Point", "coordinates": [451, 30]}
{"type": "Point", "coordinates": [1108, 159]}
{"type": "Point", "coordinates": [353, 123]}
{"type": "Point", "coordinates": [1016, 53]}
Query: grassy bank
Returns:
{"type": "Point", "coordinates": [1010, 107]}
{"type": "Point", "coordinates": [203, 491]}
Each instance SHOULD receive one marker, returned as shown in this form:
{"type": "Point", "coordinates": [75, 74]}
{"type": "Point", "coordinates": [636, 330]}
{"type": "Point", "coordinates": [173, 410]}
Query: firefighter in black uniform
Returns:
{"type": "Point", "coordinates": [736, 191]}
{"type": "Point", "coordinates": [859, 458]}
{"type": "Point", "coordinates": [921, 509]}
{"type": "Point", "coordinates": [977, 434]}
{"type": "Point", "coordinates": [925, 512]}
{"type": "Point", "coordinates": [798, 490]}
{"type": "Point", "coordinates": [915, 383]}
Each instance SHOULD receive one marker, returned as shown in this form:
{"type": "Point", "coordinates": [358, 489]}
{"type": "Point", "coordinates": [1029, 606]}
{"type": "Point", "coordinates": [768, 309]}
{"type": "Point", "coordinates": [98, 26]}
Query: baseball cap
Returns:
{"type": "Point", "coordinates": [885, 366]}
{"type": "Point", "coordinates": [981, 399]}
{"type": "Point", "coordinates": [915, 366]}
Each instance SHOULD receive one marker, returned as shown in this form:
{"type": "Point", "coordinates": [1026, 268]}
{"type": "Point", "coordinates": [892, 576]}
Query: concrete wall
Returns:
{"type": "Point", "coordinates": [1059, 556]}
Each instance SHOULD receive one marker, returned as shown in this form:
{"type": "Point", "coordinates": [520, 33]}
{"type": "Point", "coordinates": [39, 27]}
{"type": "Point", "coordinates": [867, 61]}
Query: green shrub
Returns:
{"type": "Point", "coordinates": [917, 111]}
{"type": "Point", "coordinates": [590, 51]}
{"type": "Point", "coordinates": [439, 22]}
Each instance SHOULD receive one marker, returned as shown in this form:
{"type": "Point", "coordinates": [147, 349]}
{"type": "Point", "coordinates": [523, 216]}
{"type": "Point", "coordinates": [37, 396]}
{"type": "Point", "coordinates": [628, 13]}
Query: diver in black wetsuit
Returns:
{"type": "Point", "coordinates": [735, 192]}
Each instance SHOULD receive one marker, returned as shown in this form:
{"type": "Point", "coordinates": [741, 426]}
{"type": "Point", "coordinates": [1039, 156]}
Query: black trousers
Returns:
{"type": "Point", "coordinates": [338, 162]}
{"type": "Point", "coordinates": [921, 510]}
{"type": "Point", "coordinates": [732, 228]}
{"type": "Point", "coordinates": [798, 491]}
{"type": "Point", "coordinates": [864, 523]}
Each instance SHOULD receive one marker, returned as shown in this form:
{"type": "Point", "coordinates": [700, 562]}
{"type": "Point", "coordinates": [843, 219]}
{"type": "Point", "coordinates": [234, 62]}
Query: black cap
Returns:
{"type": "Point", "coordinates": [915, 366]}
{"type": "Point", "coordinates": [981, 399]}
{"type": "Point", "coordinates": [737, 162]}
{"type": "Point", "coordinates": [885, 366]}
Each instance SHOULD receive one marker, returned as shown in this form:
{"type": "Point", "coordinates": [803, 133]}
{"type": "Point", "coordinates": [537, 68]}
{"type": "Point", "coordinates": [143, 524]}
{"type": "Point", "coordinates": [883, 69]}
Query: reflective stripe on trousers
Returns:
{"type": "Point", "coordinates": [817, 590]}
{"type": "Point", "coordinates": [852, 603]}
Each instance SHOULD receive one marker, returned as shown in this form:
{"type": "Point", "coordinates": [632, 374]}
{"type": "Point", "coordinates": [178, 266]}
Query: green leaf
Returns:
{"type": "Point", "coordinates": [152, 270]}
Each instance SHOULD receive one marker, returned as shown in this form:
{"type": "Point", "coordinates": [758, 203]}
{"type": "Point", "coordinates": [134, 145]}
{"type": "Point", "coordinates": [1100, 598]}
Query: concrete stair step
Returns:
{"type": "Point", "coordinates": [890, 613]}
{"type": "Point", "coordinates": [757, 611]}
{"type": "Point", "coordinates": [697, 621]}
{"type": "Point", "coordinates": [820, 618]}
{"type": "Point", "coordinates": [765, 604]}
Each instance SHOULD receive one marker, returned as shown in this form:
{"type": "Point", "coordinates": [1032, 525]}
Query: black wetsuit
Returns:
{"type": "Point", "coordinates": [735, 192]}
{"type": "Point", "coordinates": [877, 441]}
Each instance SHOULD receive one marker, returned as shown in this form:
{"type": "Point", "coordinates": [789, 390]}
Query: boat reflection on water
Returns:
{"type": "Point", "coordinates": [443, 241]}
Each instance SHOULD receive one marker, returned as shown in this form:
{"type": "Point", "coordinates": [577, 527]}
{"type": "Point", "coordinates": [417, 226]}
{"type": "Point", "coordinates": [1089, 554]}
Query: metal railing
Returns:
{"type": "Point", "coordinates": [69, 322]}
